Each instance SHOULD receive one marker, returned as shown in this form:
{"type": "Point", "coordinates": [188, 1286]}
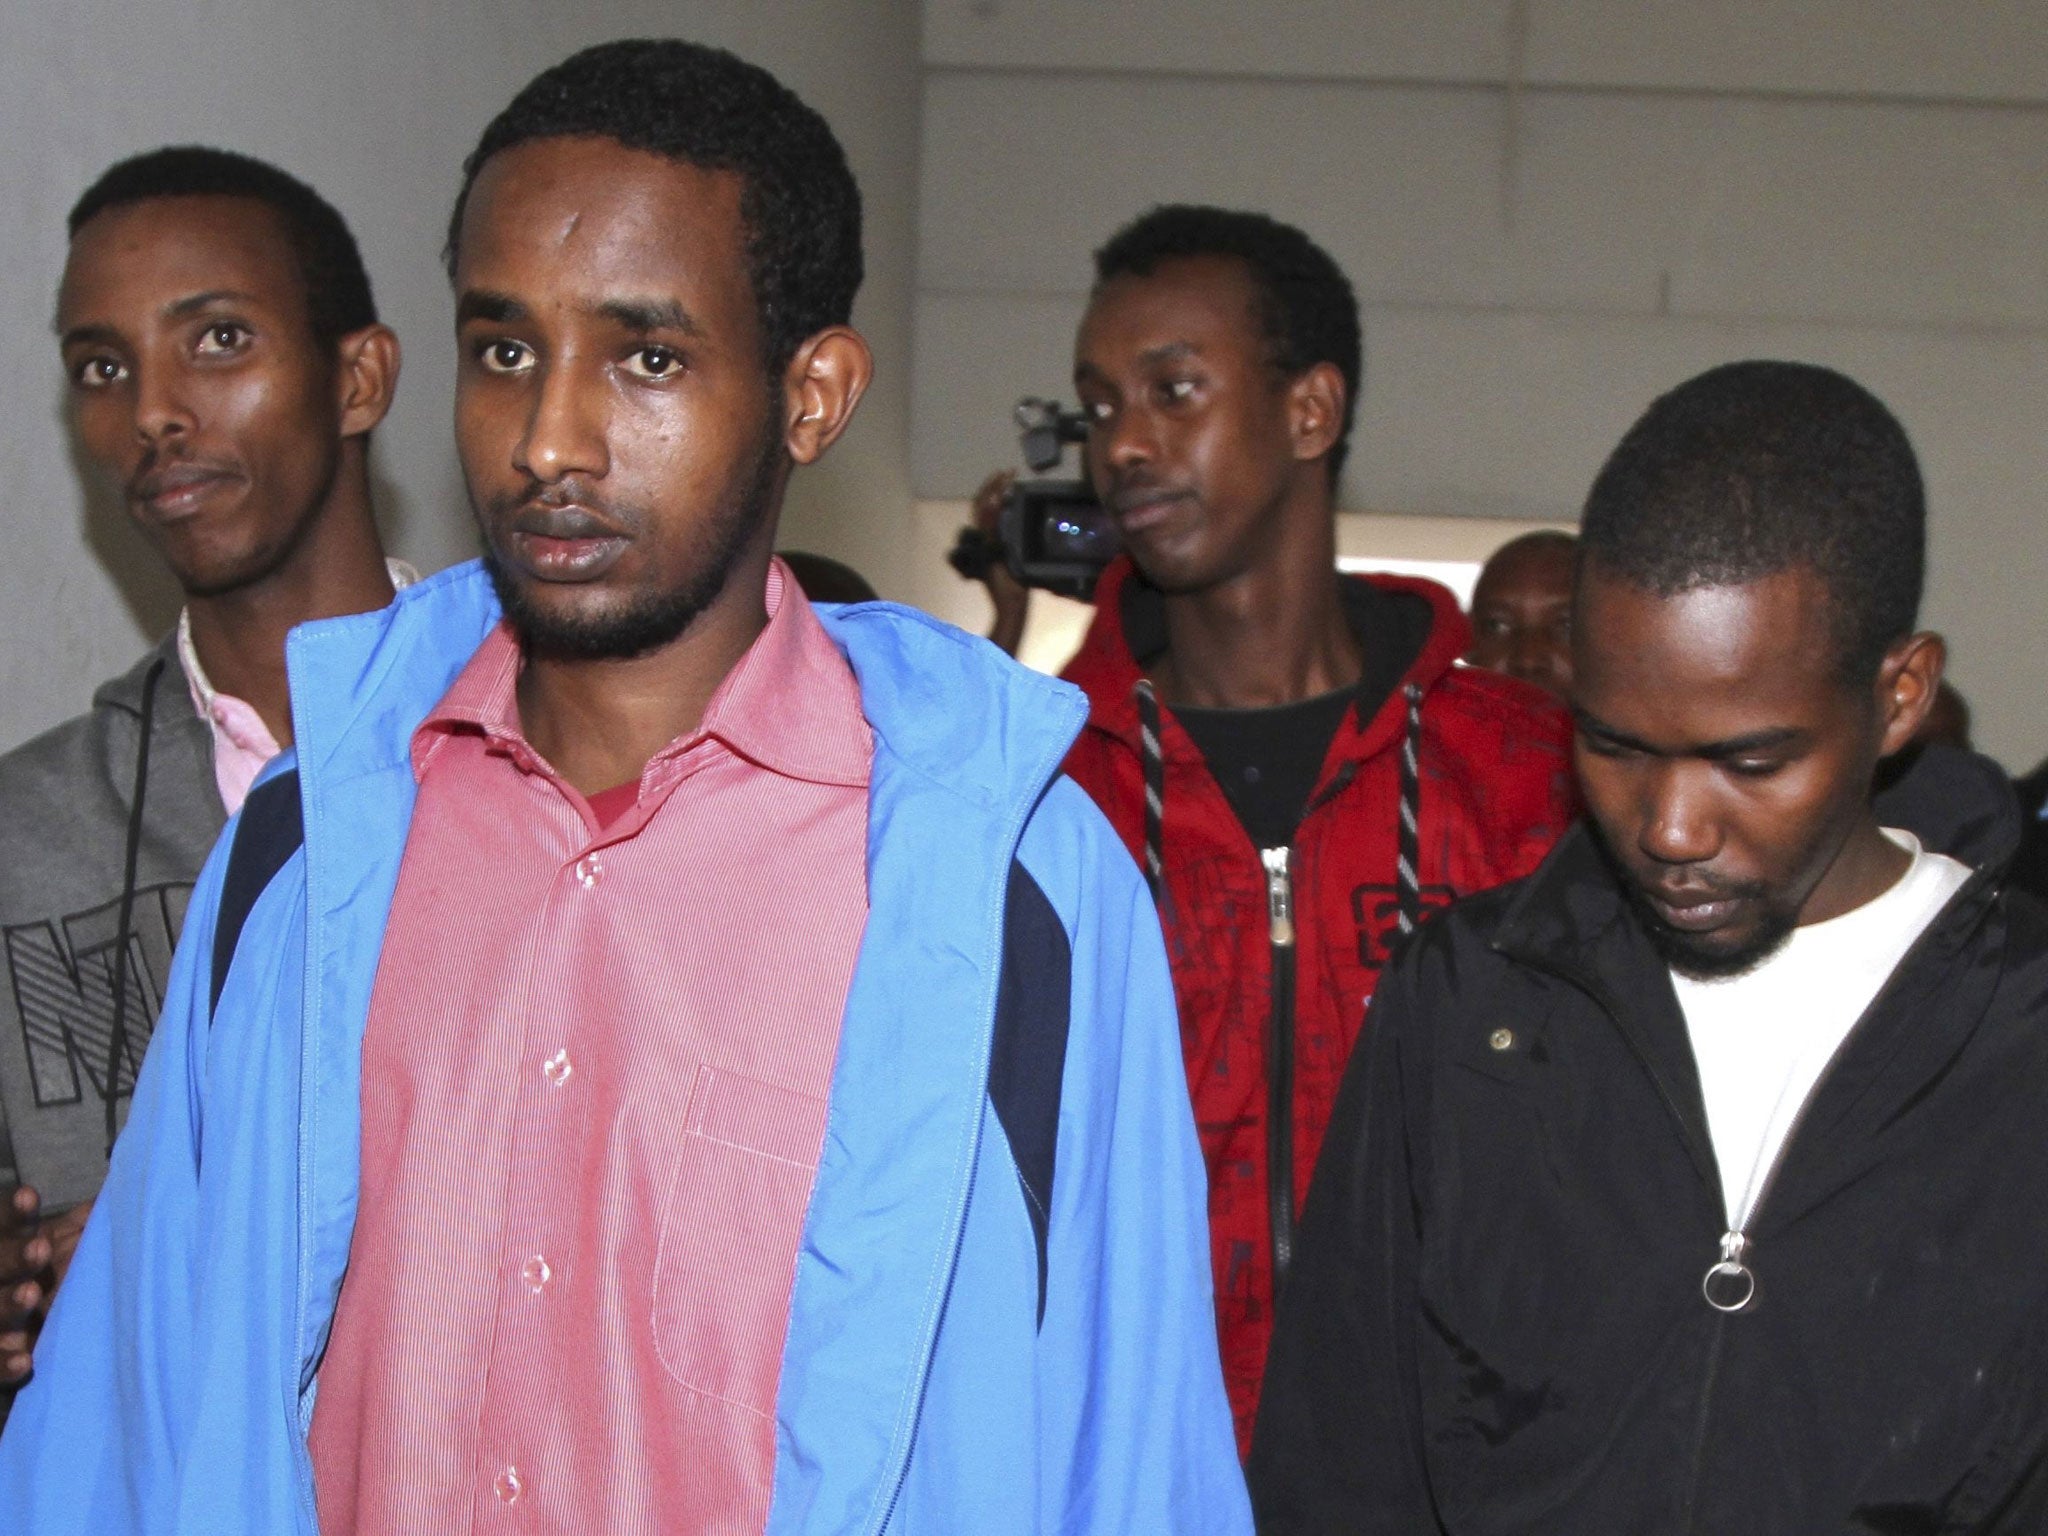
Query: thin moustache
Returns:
{"type": "Point", "coordinates": [1134, 497]}
{"type": "Point", "coordinates": [566, 520]}
{"type": "Point", "coordinates": [186, 473]}
{"type": "Point", "coordinates": [1683, 898]}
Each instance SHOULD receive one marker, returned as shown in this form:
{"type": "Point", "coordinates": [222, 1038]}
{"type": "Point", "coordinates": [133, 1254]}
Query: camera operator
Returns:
{"type": "Point", "coordinates": [1319, 772]}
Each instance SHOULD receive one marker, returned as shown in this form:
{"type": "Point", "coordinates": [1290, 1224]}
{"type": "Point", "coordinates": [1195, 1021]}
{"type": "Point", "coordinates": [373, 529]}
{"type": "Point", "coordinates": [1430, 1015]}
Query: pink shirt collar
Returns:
{"type": "Point", "coordinates": [790, 704]}
{"type": "Point", "coordinates": [242, 743]}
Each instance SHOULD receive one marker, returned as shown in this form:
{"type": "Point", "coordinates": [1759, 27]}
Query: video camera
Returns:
{"type": "Point", "coordinates": [1052, 534]}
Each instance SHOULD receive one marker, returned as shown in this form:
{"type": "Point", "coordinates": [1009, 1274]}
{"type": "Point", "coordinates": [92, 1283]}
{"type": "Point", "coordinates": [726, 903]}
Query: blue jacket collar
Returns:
{"type": "Point", "coordinates": [361, 684]}
{"type": "Point", "coordinates": [946, 706]}
{"type": "Point", "coordinates": [953, 709]}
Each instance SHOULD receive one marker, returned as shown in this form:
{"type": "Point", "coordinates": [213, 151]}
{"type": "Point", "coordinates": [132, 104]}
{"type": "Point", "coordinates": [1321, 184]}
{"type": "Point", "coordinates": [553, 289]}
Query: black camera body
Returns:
{"type": "Point", "coordinates": [1056, 536]}
{"type": "Point", "coordinates": [1052, 534]}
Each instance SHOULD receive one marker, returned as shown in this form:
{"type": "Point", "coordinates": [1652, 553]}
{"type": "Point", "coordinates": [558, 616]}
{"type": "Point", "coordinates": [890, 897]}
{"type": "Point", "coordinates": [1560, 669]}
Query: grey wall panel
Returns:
{"type": "Point", "coordinates": [976, 355]}
{"type": "Point", "coordinates": [1024, 176]}
{"type": "Point", "coordinates": [1961, 49]}
{"type": "Point", "coordinates": [1797, 210]}
{"type": "Point", "coordinates": [1422, 39]}
{"type": "Point", "coordinates": [1978, 50]}
{"type": "Point", "coordinates": [1895, 214]}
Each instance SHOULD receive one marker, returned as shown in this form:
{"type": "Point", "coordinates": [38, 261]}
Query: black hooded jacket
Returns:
{"type": "Point", "coordinates": [1496, 1324]}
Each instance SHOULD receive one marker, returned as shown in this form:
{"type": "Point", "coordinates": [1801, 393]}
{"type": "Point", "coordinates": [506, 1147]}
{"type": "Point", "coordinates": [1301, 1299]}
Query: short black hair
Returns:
{"type": "Point", "coordinates": [1758, 467]}
{"type": "Point", "coordinates": [1305, 300]}
{"type": "Point", "coordinates": [707, 108]}
{"type": "Point", "coordinates": [338, 298]}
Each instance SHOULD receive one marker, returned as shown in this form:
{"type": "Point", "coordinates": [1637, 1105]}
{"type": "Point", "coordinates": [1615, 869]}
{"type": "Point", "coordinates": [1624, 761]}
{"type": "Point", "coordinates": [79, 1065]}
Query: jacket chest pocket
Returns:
{"type": "Point", "coordinates": [730, 1228]}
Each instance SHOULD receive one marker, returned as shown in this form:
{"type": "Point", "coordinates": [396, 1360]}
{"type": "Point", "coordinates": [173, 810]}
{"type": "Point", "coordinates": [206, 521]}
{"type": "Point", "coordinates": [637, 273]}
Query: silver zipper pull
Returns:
{"type": "Point", "coordinates": [1279, 895]}
{"type": "Point", "coordinates": [1730, 1285]}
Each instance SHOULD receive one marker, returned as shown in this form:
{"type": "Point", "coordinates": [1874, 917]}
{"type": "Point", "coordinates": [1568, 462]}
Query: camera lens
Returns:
{"type": "Point", "coordinates": [1069, 535]}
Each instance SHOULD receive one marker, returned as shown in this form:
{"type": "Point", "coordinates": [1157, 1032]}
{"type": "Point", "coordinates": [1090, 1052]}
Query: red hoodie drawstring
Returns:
{"type": "Point", "coordinates": [1154, 758]}
{"type": "Point", "coordinates": [1408, 856]}
{"type": "Point", "coordinates": [1408, 852]}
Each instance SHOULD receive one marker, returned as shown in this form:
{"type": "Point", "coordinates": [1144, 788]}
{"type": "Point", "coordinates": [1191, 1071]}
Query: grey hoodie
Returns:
{"type": "Point", "coordinates": [65, 804]}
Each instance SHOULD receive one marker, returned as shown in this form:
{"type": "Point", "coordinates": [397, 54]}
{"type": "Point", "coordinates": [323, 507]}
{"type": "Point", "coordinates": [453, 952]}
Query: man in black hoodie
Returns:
{"type": "Point", "coordinates": [1696, 1183]}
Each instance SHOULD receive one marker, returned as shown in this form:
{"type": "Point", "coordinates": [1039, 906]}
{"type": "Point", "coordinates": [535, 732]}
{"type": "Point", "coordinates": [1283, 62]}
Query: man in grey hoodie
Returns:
{"type": "Point", "coordinates": [226, 367]}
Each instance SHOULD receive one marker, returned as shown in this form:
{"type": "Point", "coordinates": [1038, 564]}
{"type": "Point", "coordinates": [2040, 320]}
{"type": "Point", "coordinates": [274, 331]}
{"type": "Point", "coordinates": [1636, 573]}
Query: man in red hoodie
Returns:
{"type": "Point", "coordinates": [1294, 757]}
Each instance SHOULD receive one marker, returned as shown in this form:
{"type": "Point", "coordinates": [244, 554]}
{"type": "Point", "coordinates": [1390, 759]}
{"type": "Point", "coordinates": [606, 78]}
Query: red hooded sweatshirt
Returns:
{"type": "Point", "coordinates": [1275, 953]}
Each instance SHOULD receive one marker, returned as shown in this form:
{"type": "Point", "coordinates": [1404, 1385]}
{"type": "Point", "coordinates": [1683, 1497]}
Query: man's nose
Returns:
{"type": "Point", "coordinates": [162, 409]}
{"type": "Point", "coordinates": [565, 431]}
{"type": "Point", "coordinates": [1679, 824]}
{"type": "Point", "coordinates": [1129, 439]}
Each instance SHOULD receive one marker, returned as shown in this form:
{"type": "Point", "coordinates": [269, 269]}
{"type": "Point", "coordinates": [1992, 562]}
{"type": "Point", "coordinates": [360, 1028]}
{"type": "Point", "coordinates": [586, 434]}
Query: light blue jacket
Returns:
{"type": "Point", "coordinates": [1001, 1320]}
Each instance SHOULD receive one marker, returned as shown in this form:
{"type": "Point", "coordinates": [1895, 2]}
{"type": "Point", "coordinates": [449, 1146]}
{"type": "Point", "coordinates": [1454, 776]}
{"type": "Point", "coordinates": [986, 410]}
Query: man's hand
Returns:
{"type": "Point", "coordinates": [1011, 597]}
{"type": "Point", "coordinates": [33, 1254]}
{"type": "Point", "coordinates": [63, 1233]}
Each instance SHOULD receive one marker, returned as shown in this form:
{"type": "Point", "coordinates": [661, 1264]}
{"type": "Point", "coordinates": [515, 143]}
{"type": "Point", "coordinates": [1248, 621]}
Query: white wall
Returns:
{"type": "Point", "coordinates": [1553, 209]}
{"type": "Point", "coordinates": [375, 102]}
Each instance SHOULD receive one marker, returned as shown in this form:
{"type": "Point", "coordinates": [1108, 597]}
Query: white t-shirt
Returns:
{"type": "Point", "coordinates": [1762, 1039]}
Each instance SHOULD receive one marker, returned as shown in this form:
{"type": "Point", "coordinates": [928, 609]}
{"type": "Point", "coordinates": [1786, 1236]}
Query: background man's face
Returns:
{"type": "Point", "coordinates": [1522, 614]}
{"type": "Point", "coordinates": [1189, 444]}
{"type": "Point", "coordinates": [1722, 759]}
{"type": "Point", "coordinates": [621, 442]}
{"type": "Point", "coordinates": [197, 384]}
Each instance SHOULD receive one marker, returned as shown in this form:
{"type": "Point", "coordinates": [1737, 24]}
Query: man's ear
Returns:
{"type": "Point", "coordinates": [1907, 679]}
{"type": "Point", "coordinates": [1315, 408]}
{"type": "Point", "coordinates": [821, 387]}
{"type": "Point", "coordinates": [366, 377]}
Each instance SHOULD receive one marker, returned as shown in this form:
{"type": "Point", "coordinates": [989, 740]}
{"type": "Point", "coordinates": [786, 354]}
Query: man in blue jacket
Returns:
{"type": "Point", "coordinates": [653, 1056]}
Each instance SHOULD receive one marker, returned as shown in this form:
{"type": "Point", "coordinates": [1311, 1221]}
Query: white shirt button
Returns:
{"type": "Point", "coordinates": [509, 1485]}
{"type": "Point", "coordinates": [536, 1273]}
{"type": "Point", "coordinates": [556, 1068]}
{"type": "Point", "coordinates": [589, 870]}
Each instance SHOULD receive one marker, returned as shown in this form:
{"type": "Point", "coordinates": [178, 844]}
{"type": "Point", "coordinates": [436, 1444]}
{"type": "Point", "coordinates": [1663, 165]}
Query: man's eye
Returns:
{"type": "Point", "coordinates": [654, 363]}
{"type": "Point", "coordinates": [222, 338]}
{"type": "Point", "coordinates": [1177, 391]}
{"type": "Point", "coordinates": [504, 356]}
{"type": "Point", "coordinates": [98, 372]}
{"type": "Point", "coordinates": [1097, 411]}
{"type": "Point", "coordinates": [1754, 767]}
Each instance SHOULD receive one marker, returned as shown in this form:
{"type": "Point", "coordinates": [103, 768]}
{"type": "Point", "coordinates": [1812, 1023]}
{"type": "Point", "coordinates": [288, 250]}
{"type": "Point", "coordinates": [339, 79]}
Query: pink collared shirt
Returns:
{"type": "Point", "coordinates": [594, 1083]}
{"type": "Point", "coordinates": [242, 743]}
